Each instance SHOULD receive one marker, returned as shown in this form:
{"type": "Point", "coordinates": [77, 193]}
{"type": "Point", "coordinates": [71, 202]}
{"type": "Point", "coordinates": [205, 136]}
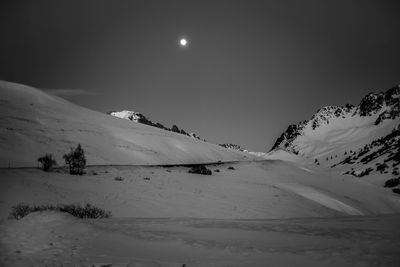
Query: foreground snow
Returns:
{"type": "Point", "coordinates": [51, 238]}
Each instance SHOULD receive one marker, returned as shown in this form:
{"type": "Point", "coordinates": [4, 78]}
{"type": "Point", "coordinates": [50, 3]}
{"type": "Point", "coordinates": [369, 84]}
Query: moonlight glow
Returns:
{"type": "Point", "coordinates": [183, 42]}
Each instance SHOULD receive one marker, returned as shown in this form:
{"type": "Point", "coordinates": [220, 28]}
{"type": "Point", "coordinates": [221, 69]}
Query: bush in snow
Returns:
{"type": "Point", "coordinates": [231, 168]}
{"type": "Point", "coordinates": [84, 212]}
{"type": "Point", "coordinates": [200, 169]}
{"type": "Point", "coordinates": [47, 162]}
{"type": "Point", "coordinates": [88, 211]}
{"type": "Point", "coordinates": [76, 160]}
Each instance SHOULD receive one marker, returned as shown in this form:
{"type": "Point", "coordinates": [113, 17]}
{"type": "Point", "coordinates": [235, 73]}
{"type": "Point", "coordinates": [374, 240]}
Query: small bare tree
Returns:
{"type": "Point", "coordinates": [76, 160]}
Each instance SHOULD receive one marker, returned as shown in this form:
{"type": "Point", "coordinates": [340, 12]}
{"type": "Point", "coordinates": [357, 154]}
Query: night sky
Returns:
{"type": "Point", "coordinates": [250, 67]}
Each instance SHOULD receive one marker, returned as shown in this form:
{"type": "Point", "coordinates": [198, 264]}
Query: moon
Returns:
{"type": "Point", "coordinates": [183, 42]}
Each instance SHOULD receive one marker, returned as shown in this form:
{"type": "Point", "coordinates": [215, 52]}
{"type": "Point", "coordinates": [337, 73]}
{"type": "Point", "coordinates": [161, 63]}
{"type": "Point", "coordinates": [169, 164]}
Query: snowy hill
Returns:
{"type": "Point", "coordinates": [140, 118]}
{"type": "Point", "coordinates": [33, 123]}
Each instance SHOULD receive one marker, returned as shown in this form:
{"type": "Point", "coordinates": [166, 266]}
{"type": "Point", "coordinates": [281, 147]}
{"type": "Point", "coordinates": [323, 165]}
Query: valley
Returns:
{"type": "Point", "coordinates": [304, 202]}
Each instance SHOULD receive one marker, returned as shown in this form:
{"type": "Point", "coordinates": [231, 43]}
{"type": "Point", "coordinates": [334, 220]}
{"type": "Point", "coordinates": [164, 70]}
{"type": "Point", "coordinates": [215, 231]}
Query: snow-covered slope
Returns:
{"type": "Point", "coordinates": [352, 140]}
{"type": "Point", "coordinates": [140, 118]}
{"type": "Point", "coordinates": [338, 129]}
{"type": "Point", "coordinates": [246, 190]}
{"type": "Point", "coordinates": [33, 123]}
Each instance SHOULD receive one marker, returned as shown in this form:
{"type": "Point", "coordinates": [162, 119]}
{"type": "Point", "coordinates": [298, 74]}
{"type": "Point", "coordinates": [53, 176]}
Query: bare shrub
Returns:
{"type": "Point", "coordinates": [87, 211]}
{"type": "Point", "coordinates": [47, 162]}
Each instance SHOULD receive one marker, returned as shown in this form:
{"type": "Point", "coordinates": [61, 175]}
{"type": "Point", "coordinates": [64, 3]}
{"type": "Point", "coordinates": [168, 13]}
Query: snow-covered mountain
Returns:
{"type": "Point", "coordinates": [33, 123]}
{"type": "Point", "coordinates": [354, 139]}
{"type": "Point", "coordinates": [140, 118]}
{"type": "Point", "coordinates": [128, 115]}
{"type": "Point", "coordinates": [335, 126]}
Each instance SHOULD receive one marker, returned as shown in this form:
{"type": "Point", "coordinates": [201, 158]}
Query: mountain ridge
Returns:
{"type": "Point", "coordinates": [140, 118]}
{"type": "Point", "coordinates": [384, 106]}
{"type": "Point", "coordinates": [359, 141]}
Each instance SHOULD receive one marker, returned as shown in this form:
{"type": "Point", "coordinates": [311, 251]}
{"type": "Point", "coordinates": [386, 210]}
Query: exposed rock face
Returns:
{"type": "Point", "coordinates": [387, 146]}
{"type": "Point", "coordinates": [378, 107]}
{"type": "Point", "coordinates": [371, 104]}
{"type": "Point", "coordinates": [232, 146]}
{"type": "Point", "coordinates": [289, 135]}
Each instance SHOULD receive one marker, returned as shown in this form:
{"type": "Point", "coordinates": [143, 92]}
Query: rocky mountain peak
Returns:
{"type": "Point", "coordinates": [232, 146]}
{"type": "Point", "coordinates": [392, 96]}
{"type": "Point", "coordinates": [385, 104]}
{"type": "Point", "coordinates": [128, 114]}
{"type": "Point", "coordinates": [371, 104]}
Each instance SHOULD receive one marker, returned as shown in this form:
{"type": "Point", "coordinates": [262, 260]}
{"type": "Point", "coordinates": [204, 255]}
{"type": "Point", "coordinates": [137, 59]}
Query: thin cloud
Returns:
{"type": "Point", "coordinates": [69, 92]}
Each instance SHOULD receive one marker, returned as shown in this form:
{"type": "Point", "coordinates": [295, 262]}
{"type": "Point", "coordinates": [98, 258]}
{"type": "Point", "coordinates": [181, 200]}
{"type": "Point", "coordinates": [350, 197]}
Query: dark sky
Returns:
{"type": "Point", "coordinates": [251, 67]}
